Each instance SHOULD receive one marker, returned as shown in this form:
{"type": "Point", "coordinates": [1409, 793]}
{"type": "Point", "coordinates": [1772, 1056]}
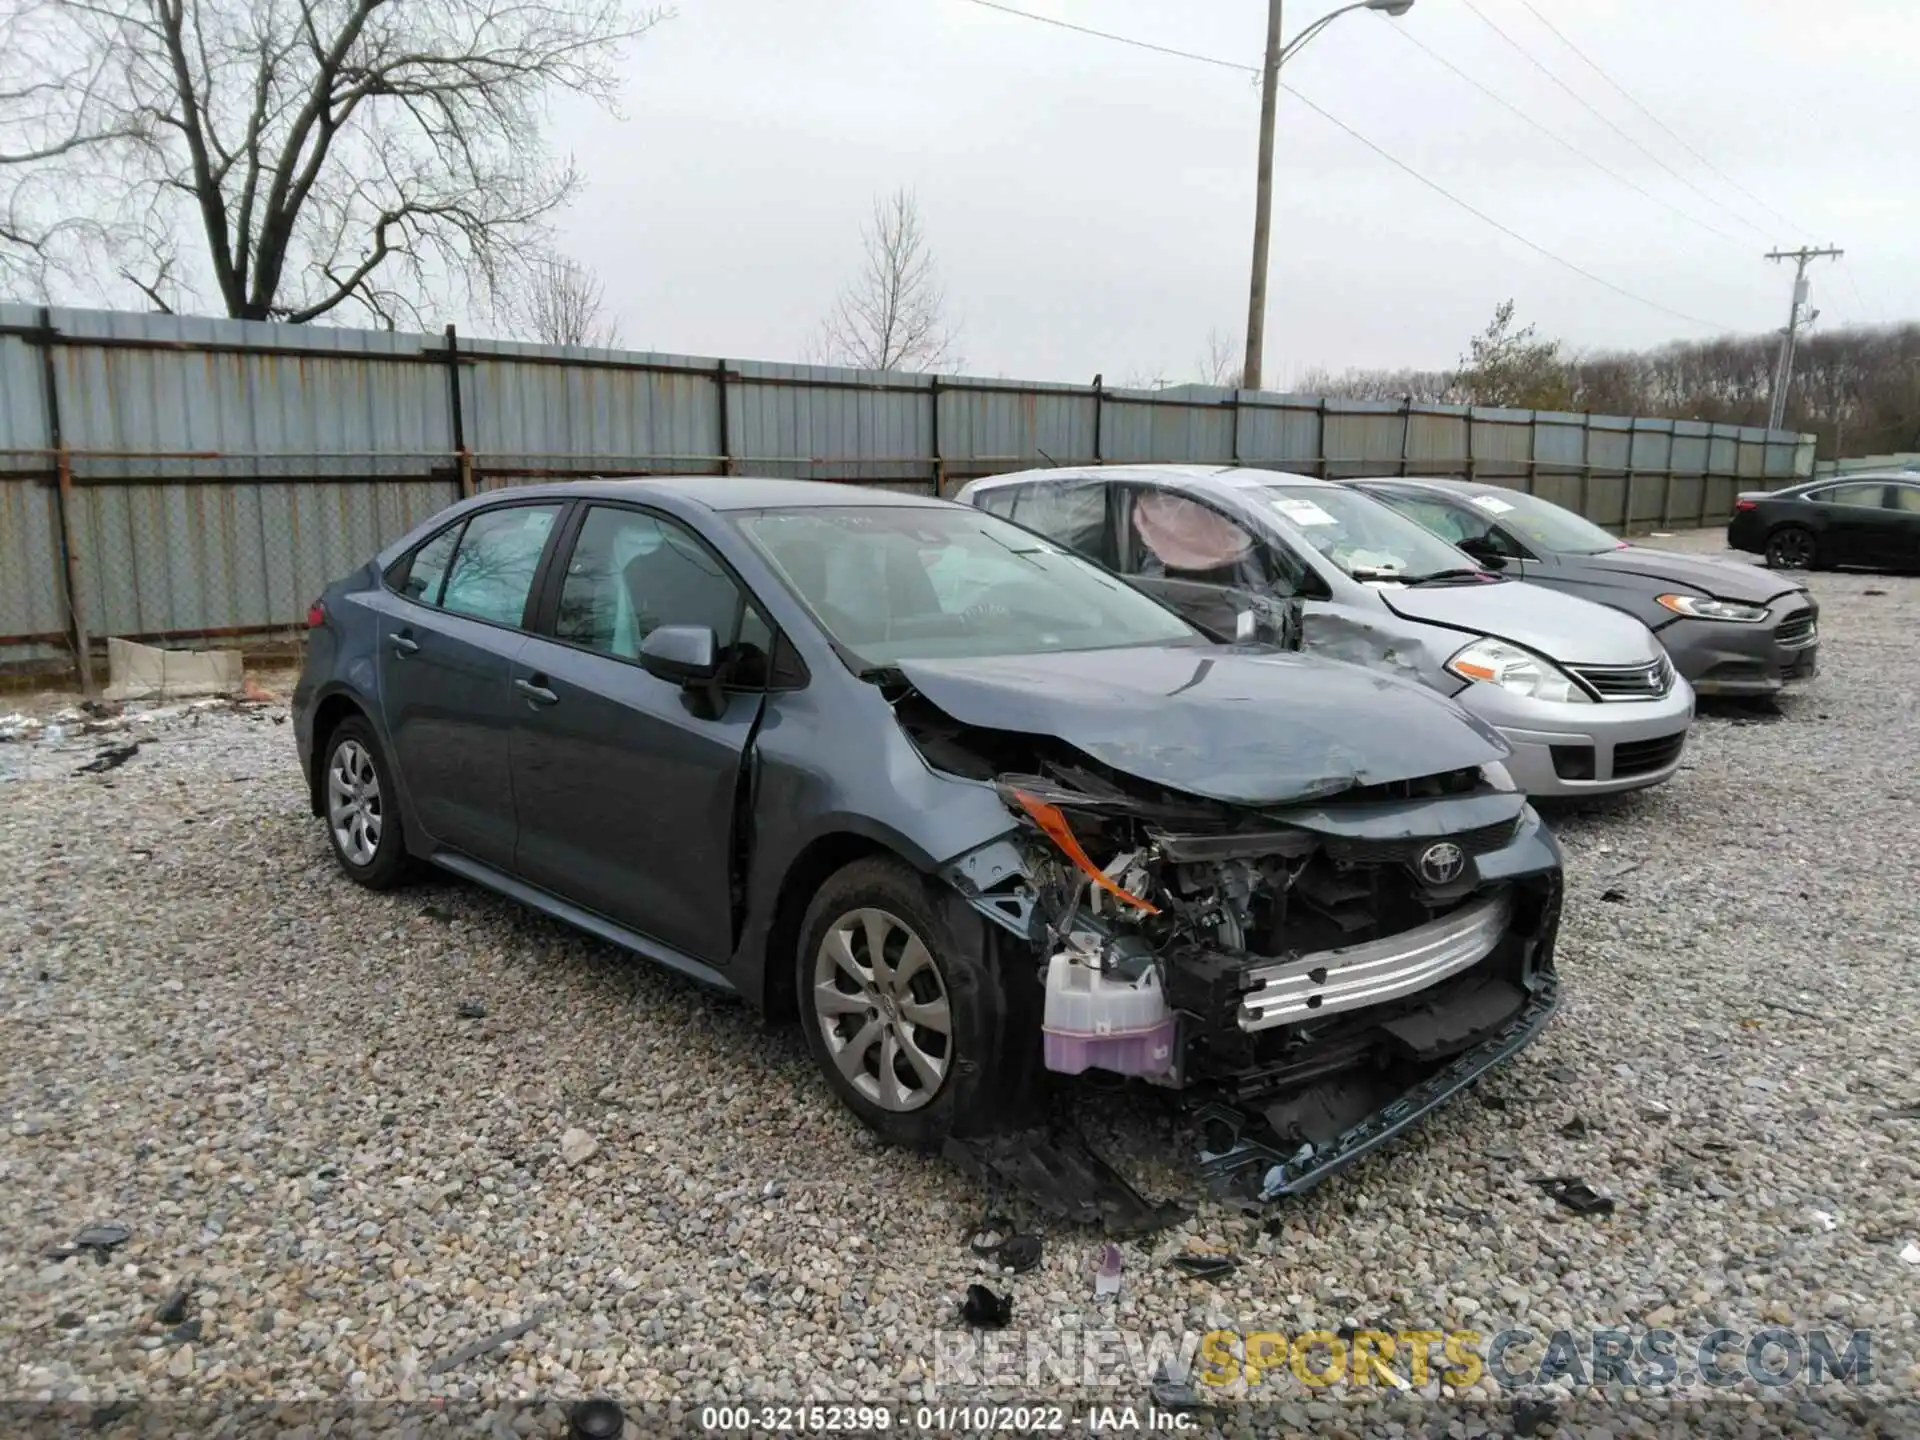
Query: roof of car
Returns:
{"type": "Point", "coordinates": [731, 492]}
{"type": "Point", "coordinates": [1869, 477]}
{"type": "Point", "coordinates": [1424, 482]}
{"type": "Point", "coordinates": [1232, 477]}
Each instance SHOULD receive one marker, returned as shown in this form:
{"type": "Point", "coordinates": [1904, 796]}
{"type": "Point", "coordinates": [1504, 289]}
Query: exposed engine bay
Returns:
{"type": "Point", "coordinates": [1311, 976]}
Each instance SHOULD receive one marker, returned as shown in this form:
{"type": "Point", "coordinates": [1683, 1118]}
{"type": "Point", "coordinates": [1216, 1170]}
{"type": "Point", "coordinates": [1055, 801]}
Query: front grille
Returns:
{"type": "Point", "coordinates": [1483, 841]}
{"type": "Point", "coordinates": [1651, 681]}
{"type": "Point", "coordinates": [1643, 757]}
{"type": "Point", "coordinates": [1796, 629]}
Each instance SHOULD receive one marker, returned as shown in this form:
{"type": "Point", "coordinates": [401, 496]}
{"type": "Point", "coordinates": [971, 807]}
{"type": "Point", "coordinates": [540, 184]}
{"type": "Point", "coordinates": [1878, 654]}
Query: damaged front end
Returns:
{"type": "Point", "coordinates": [1313, 977]}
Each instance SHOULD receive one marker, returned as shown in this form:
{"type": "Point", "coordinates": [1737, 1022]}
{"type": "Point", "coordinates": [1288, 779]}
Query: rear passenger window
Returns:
{"type": "Point", "coordinates": [1867, 497]}
{"type": "Point", "coordinates": [999, 502]}
{"type": "Point", "coordinates": [493, 567]}
{"type": "Point", "coordinates": [421, 574]}
{"type": "Point", "coordinates": [1071, 515]}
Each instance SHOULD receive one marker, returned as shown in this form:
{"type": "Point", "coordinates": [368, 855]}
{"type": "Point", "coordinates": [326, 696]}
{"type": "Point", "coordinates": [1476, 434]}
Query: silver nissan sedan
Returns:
{"type": "Point", "coordinates": [1585, 695]}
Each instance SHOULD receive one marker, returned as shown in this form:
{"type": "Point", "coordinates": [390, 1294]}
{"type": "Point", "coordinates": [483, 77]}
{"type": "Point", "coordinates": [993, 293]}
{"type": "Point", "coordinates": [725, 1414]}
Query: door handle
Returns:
{"type": "Point", "coordinates": [405, 645]}
{"type": "Point", "coordinates": [536, 694]}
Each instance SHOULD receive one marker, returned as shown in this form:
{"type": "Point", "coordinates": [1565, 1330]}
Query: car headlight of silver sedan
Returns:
{"type": "Point", "coordinates": [1700, 607]}
{"type": "Point", "coordinates": [1520, 672]}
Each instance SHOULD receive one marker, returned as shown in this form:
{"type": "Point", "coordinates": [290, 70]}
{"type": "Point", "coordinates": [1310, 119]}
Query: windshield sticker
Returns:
{"type": "Point", "coordinates": [1492, 503]}
{"type": "Point", "coordinates": [1302, 512]}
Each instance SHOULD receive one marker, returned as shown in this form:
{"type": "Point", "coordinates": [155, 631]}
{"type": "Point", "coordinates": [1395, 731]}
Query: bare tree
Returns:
{"type": "Point", "coordinates": [292, 156]}
{"type": "Point", "coordinates": [893, 315]}
{"type": "Point", "coordinates": [1422, 387]}
{"type": "Point", "coordinates": [1220, 364]}
{"type": "Point", "coordinates": [563, 304]}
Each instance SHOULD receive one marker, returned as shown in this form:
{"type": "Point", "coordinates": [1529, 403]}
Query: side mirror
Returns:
{"type": "Point", "coordinates": [1279, 623]}
{"type": "Point", "coordinates": [681, 654]}
{"type": "Point", "coordinates": [1484, 550]}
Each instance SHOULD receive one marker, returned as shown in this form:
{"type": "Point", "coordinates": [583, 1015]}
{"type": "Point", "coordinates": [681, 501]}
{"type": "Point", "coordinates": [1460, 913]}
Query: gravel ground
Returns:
{"type": "Point", "coordinates": [336, 1119]}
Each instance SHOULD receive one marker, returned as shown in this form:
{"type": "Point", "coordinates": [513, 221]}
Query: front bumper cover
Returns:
{"type": "Point", "coordinates": [1260, 1173]}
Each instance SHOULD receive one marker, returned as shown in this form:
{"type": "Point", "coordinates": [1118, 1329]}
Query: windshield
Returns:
{"type": "Point", "coordinates": [1364, 537]}
{"type": "Point", "coordinates": [1540, 522]}
{"type": "Point", "coordinates": [902, 583]}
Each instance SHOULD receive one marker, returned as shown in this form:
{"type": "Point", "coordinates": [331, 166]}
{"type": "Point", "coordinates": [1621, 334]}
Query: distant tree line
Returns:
{"type": "Point", "coordinates": [1857, 389]}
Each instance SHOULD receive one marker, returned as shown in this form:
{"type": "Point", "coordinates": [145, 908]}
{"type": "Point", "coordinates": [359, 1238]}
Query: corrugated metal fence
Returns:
{"type": "Point", "coordinates": [177, 479]}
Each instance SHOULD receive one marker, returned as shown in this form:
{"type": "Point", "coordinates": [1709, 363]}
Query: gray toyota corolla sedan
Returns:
{"type": "Point", "coordinates": [1731, 629]}
{"type": "Point", "coordinates": [973, 808]}
{"type": "Point", "coordinates": [1585, 696]}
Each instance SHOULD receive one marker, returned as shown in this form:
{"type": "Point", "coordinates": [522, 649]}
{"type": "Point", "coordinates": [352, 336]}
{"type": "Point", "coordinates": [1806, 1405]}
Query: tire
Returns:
{"type": "Point", "coordinates": [358, 805]}
{"type": "Point", "coordinates": [991, 1042]}
{"type": "Point", "coordinates": [1792, 547]}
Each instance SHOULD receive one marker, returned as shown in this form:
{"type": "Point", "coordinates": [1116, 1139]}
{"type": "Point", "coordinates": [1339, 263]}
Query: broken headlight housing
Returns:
{"type": "Point", "coordinates": [1520, 672]}
{"type": "Point", "coordinates": [1700, 607]}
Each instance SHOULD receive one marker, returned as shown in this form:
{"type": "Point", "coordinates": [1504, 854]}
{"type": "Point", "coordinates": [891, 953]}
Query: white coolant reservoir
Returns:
{"type": "Point", "coordinates": [1099, 1021]}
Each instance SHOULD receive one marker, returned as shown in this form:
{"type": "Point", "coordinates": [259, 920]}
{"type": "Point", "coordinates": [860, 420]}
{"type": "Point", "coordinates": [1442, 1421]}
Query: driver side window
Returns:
{"type": "Point", "coordinates": [631, 573]}
{"type": "Point", "coordinates": [1174, 537]}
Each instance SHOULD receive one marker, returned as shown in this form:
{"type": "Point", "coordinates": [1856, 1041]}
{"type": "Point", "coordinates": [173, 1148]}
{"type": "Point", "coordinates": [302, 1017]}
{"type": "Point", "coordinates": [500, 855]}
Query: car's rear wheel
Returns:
{"type": "Point", "coordinates": [1792, 547]}
{"type": "Point", "coordinates": [357, 799]}
{"type": "Point", "coordinates": [903, 1009]}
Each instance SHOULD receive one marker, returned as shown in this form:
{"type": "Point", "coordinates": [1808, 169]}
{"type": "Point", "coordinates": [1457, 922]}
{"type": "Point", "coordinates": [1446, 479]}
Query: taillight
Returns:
{"type": "Point", "coordinates": [1746, 504]}
{"type": "Point", "coordinates": [316, 615]}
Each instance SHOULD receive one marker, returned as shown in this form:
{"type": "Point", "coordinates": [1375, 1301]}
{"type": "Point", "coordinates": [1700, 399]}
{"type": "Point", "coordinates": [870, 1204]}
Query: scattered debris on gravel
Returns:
{"type": "Point", "coordinates": [215, 1041]}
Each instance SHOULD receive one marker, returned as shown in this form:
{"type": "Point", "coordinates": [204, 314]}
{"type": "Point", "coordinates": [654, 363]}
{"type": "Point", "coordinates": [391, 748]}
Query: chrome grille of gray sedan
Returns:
{"type": "Point", "coordinates": [1651, 681]}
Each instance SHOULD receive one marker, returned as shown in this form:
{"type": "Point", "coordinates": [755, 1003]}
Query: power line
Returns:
{"type": "Point", "coordinates": [1634, 101]}
{"type": "Point", "coordinates": [1603, 118]}
{"type": "Point", "coordinates": [1253, 70]}
{"type": "Point", "coordinates": [1390, 158]}
{"type": "Point", "coordinates": [1441, 190]}
{"type": "Point", "coordinates": [1866, 318]}
{"type": "Point", "coordinates": [1561, 140]}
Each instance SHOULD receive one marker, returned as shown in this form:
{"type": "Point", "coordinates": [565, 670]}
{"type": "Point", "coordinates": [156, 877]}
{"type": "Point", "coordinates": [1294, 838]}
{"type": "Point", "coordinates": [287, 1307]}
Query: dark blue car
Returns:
{"type": "Point", "coordinates": [973, 808]}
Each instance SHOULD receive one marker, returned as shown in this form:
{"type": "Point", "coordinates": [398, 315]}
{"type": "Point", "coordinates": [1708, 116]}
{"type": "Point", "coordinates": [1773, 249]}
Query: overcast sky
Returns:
{"type": "Point", "coordinates": [1090, 205]}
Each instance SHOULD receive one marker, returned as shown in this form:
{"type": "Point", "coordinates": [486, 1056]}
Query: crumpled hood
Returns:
{"type": "Point", "coordinates": [1701, 574]}
{"type": "Point", "coordinates": [1241, 727]}
{"type": "Point", "coordinates": [1566, 630]}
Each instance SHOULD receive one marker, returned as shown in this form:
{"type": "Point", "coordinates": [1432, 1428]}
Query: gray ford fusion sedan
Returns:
{"type": "Point", "coordinates": [972, 808]}
{"type": "Point", "coordinates": [1730, 628]}
{"type": "Point", "coordinates": [1585, 696]}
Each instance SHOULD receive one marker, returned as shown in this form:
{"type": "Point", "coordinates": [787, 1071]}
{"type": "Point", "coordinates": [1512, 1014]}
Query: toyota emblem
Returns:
{"type": "Point", "coordinates": [1441, 864]}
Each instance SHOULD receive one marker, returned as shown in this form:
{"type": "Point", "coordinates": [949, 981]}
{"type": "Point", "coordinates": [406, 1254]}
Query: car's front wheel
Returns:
{"type": "Point", "coordinates": [903, 1008]}
{"type": "Point", "coordinates": [356, 796]}
{"type": "Point", "coordinates": [1792, 547]}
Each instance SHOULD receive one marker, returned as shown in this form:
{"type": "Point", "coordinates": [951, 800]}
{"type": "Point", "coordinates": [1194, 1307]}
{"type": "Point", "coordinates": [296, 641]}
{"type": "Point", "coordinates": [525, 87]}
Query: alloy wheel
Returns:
{"type": "Point", "coordinates": [353, 802]}
{"type": "Point", "coordinates": [881, 1005]}
{"type": "Point", "coordinates": [1790, 549]}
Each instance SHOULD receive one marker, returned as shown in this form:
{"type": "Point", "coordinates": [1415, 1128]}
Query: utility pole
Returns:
{"type": "Point", "coordinates": [1262, 206]}
{"type": "Point", "coordinates": [1783, 369]}
{"type": "Point", "coordinates": [1278, 55]}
